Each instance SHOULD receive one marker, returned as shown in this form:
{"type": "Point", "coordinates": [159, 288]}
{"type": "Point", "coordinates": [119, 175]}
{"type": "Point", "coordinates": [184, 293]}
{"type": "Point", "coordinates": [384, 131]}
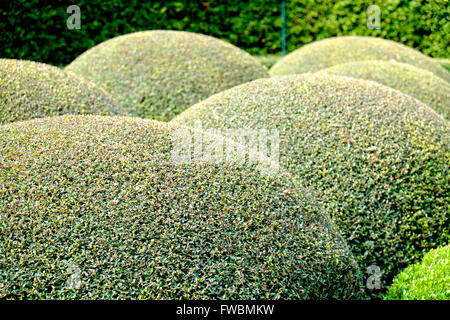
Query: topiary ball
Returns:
{"type": "Point", "coordinates": [377, 159]}
{"type": "Point", "coordinates": [97, 208]}
{"type": "Point", "coordinates": [330, 52]}
{"type": "Point", "coordinates": [158, 74]}
{"type": "Point", "coordinates": [418, 83]}
{"type": "Point", "coordinates": [33, 90]}
{"type": "Point", "coordinates": [427, 280]}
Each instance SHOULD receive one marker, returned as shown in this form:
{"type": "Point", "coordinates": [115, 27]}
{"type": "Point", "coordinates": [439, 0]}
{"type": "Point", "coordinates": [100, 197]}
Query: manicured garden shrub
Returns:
{"type": "Point", "coordinates": [330, 52]}
{"type": "Point", "coordinates": [418, 83]}
{"type": "Point", "coordinates": [427, 280]}
{"type": "Point", "coordinates": [32, 90]}
{"type": "Point", "coordinates": [101, 200]}
{"type": "Point", "coordinates": [377, 159]}
{"type": "Point", "coordinates": [158, 74]}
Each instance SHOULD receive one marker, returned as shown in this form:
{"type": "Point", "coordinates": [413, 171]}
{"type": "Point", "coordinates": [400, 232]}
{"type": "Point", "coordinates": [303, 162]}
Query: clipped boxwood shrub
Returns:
{"type": "Point", "coordinates": [32, 90]}
{"type": "Point", "coordinates": [330, 52]}
{"type": "Point", "coordinates": [427, 280]}
{"type": "Point", "coordinates": [377, 159]}
{"type": "Point", "coordinates": [101, 200]}
{"type": "Point", "coordinates": [158, 74]}
{"type": "Point", "coordinates": [418, 83]}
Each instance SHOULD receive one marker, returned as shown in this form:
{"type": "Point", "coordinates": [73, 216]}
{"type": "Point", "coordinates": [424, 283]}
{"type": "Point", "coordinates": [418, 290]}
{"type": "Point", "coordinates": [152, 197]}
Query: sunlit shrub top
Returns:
{"type": "Point", "coordinates": [427, 280]}
{"type": "Point", "coordinates": [33, 90]}
{"type": "Point", "coordinates": [158, 74]}
{"type": "Point", "coordinates": [329, 52]}
{"type": "Point", "coordinates": [418, 83]}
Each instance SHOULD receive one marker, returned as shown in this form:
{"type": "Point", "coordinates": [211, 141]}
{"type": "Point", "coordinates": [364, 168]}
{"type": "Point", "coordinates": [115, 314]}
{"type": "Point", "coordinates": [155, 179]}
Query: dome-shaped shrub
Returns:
{"type": "Point", "coordinates": [158, 74]}
{"type": "Point", "coordinates": [377, 159]}
{"type": "Point", "coordinates": [427, 280]}
{"type": "Point", "coordinates": [33, 90]}
{"type": "Point", "coordinates": [330, 52]}
{"type": "Point", "coordinates": [102, 200]}
{"type": "Point", "coordinates": [418, 83]}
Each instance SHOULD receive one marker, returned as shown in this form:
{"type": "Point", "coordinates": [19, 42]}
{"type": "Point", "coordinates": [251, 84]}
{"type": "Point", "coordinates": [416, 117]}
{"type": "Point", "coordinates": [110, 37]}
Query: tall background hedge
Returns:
{"type": "Point", "coordinates": [36, 29]}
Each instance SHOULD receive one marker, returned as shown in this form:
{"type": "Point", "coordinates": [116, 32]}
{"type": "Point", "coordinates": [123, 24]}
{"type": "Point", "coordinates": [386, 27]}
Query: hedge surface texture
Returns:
{"type": "Point", "coordinates": [333, 51]}
{"type": "Point", "coordinates": [427, 280]}
{"type": "Point", "coordinates": [418, 83]}
{"type": "Point", "coordinates": [378, 159]}
{"type": "Point", "coordinates": [445, 63]}
{"type": "Point", "coordinates": [99, 199]}
{"type": "Point", "coordinates": [158, 74]}
{"type": "Point", "coordinates": [33, 90]}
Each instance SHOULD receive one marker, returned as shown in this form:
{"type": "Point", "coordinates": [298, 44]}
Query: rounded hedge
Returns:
{"type": "Point", "coordinates": [427, 280]}
{"type": "Point", "coordinates": [418, 83]}
{"type": "Point", "coordinates": [377, 159]}
{"type": "Point", "coordinates": [158, 74]}
{"type": "Point", "coordinates": [330, 52]}
{"type": "Point", "coordinates": [102, 195]}
{"type": "Point", "coordinates": [33, 90]}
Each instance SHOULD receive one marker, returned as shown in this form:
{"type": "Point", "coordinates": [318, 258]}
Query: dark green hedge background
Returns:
{"type": "Point", "coordinates": [36, 29]}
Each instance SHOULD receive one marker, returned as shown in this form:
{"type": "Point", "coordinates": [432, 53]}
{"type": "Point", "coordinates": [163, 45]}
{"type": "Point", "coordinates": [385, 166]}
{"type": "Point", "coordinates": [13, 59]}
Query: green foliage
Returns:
{"type": "Point", "coordinates": [377, 160]}
{"type": "Point", "coordinates": [418, 83]}
{"type": "Point", "coordinates": [33, 90]}
{"type": "Point", "coordinates": [103, 194]}
{"type": "Point", "coordinates": [36, 29]}
{"type": "Point", "coordinates": [269, 60]}
{"type": "Point", "coordinates": [445, 63]}
{"type": "Point", "coordinates": [158, 74]}
{"type": "Point", "coordinates": [427, 280]}
{"type": "Point", "coordinates": [334, 51]}
{"type": "Point", "coordinates": [421, 24]}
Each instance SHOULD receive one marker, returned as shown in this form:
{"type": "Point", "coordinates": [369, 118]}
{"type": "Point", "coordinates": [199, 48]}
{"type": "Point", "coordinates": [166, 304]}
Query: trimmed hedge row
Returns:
{"type": "Point", "coordinates": [36, 29]}
{"type": "Point", "coordinates": [418, 83]}
{"type": "Point", "coordinates": [427, 280]}
{"type": "Point", "coordinates": [98, 204]}
{"type": "Point", "coordinates": [34, 90]}
{"type": "Point", "coordinates": [377, 159]}
{"type": "Point", "coordinates": [158, 74]}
